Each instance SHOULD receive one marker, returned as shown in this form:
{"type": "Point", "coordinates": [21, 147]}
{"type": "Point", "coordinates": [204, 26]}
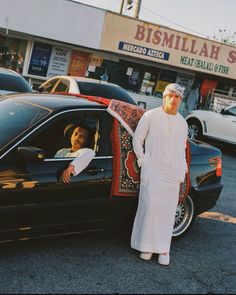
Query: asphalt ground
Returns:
{"type": "Point", "coordinates": [202, 262]}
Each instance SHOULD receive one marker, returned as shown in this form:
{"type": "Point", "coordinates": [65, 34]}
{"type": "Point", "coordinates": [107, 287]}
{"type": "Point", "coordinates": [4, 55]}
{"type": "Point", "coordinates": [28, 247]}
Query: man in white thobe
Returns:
{"type": "Point", "coordinates": [159, 143]}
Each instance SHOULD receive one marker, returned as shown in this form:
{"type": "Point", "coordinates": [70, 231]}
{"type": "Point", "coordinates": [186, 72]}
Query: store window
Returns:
{"type": "Point", "coordinates": [138, 78]}
{"type": "Point", "coordinates": [148, 83]}
{"type": "Point", "coordinates": [107, 71]}
{"type": "Point", "coordinates": [12, 53]}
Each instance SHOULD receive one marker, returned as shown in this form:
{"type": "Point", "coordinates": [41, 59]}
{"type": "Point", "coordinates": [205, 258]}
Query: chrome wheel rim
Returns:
{"type": "Point", "coordinates": [183, 217]}
{"type": "Point", "coordinates": [192, 131]}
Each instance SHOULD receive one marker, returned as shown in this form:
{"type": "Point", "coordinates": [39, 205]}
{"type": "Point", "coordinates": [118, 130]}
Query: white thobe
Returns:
{"type": "Point", "coordinates": [82, 157]}
{"type": "Point", "coordinates": [163, 167]}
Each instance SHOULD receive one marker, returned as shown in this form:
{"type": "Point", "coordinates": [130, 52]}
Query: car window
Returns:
{"type": "Point", "coordinates": [103, 90]}
{"type": "Point", "coordinates": [55, 136]}
{"type": "Point", "coordinates": [231, 111]}
{"type": "Point", "coordinates": [16, 117]}
{"type": "Point", "coordinates": [13, 83]}
{"type": "Point", "coordinates": [48, 86]}
{"type": "Point", "coordinates": [62, 86]}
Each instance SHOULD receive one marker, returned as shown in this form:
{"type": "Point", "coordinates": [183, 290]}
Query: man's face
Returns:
{"type": "Point", "coordinates": [79, 138]}
{"type": "Point", "coordinates": [171, 103]}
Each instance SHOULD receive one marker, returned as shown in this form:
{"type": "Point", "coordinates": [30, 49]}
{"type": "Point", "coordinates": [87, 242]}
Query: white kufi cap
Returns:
{"type": "Point", "coordinates": [174, 88]}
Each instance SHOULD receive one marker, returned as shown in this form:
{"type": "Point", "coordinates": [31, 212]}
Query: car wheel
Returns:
{"type": "Point", "coordinates": [184, 217]}
{"type": "Point", "coordinates": [194, 129]}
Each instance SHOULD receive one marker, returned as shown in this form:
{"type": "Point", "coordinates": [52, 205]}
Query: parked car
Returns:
{"type": "Point", "coordinates": [86, 86]}
{"type": "Point", "coordinates": [11, 81]}
{"type": "Point", "coordinates": [33, 202]}
{"type": "Point", "coordinates": [220, 126]}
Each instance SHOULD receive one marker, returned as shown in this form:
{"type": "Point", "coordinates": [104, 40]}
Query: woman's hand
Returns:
{"type": "Point", "coordinates": [67, 173]}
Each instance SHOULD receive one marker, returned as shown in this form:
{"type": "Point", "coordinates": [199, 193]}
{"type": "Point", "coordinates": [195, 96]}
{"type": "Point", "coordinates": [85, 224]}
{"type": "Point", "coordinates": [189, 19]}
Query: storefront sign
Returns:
{"type": "Point", "coordinates": [148, 41]}
{"type": "Point", "coordinates": [143, 50]}
{"type": "Point", "coordinates": [59, 61]}
{"type": "Point", "coordinates": [39, 60]}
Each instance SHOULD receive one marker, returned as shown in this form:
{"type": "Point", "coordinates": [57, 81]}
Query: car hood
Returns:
{"type": "Point", "coordinates": [203, 114]}
{"type": "Point", "coordinates": [3, 92]}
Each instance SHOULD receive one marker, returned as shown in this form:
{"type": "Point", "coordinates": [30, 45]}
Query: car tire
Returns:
{"type": "Point", "coordinates": [184, 217]}
{"type": "Point", "coordinates": [194, 129]}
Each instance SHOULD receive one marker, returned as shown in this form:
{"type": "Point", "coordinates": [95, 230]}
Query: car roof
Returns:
{"type": "Point", "coordinates": [89, 80]}
{"type": "Point", "coordinates": [55, 102]}
{"type": "Point", "coordinates": [8, 72]}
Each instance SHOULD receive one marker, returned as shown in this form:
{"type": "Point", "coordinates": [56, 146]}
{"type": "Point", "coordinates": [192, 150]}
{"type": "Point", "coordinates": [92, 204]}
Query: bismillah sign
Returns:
{"type": "Point", "coordinates": [148, 41]}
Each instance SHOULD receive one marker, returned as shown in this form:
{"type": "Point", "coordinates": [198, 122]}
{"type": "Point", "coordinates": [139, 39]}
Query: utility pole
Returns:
{"type": "Point", "coordinates": [122, 6]}
{"type": "Point", "coordinates": [137, 8]}
{"type": "Point", "coordinates": [130, 4]}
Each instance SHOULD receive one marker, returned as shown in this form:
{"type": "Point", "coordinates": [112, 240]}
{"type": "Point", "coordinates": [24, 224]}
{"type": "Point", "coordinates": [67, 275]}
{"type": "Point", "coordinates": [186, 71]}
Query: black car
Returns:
{"type": "Point", "coordinates": [33, 202]}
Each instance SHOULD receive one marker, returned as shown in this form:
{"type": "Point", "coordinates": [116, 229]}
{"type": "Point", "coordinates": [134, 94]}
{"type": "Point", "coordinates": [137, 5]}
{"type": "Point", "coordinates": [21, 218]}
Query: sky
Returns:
{"type": "Point", "coordinates": [214, 19]}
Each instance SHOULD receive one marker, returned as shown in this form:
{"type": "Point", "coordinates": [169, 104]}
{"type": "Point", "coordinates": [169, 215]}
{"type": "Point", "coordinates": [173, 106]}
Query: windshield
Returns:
{"type": "Point", "coordinates": [103, 90]}
{"type": "Point", "coordinates": [12, 83]}
{"type": "Point", "coordinates": [16, 117]}
{"type": "Point", "coordinates": [232, 111]}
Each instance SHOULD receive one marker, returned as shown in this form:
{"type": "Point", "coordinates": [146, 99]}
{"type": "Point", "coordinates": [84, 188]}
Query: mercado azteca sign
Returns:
{"type": "Point", "coordinates": [132, 37]}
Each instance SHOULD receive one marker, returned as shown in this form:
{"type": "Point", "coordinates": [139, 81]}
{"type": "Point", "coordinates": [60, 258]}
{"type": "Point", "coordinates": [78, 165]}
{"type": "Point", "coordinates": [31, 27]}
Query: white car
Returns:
{"type": "Point", "coordinates": [86, 86]}
{"type": "Point", "coordinates": [220, 126]}
{"type": "Point", "coordinates": [11, 82]}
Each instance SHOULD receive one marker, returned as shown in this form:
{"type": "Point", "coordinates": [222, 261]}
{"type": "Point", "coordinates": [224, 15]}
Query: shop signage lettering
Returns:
{"type": "Point", "coordinates": [143, 50]}
{"type": "Point", "coordinates": [204, 65]}
{"type": "Point", "coordinates": [177, 42]}
{"type": "Point", "coordinates": [61, 52]}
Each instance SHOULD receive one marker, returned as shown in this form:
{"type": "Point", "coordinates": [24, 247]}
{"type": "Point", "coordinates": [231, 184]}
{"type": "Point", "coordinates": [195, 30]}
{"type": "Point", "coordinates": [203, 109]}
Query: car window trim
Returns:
{"type": "Point", "coordinates": [43, 123]}
{"type": "Point", "coordinates": [72, 158]}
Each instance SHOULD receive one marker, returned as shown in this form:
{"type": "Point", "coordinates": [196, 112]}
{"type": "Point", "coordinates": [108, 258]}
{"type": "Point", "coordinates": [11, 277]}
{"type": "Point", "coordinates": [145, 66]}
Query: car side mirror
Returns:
{"type": "Point", "coordinates": [31, 153]}
{"type": "Point", "coordinates": [40, 89]}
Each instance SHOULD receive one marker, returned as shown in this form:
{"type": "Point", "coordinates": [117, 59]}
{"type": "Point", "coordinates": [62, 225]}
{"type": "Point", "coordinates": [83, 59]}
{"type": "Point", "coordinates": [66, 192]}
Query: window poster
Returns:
{"type": "Point", "coordinates": [78, 63]}
{"type": "Point", "coordinates": [59, 61]}
{"type": "Point", "coordinates": [39, 60]}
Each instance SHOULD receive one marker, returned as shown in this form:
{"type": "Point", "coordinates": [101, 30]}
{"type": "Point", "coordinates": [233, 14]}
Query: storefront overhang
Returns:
{"type": "Point", "coordinates": [150, 42]}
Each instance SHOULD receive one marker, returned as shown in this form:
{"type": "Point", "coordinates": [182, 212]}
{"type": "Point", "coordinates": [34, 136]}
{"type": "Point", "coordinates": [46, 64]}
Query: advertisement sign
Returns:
{"type": "Point", "coordinates": [145, 40]}
{"type": "Point", "coordinates": [59, 61]}
{"type": "Point", "coordinates": [39, 60]}
{"type": "Point", "coordinates": [161, 85]}
{"type": "Point", "coordinates": [78, 63]}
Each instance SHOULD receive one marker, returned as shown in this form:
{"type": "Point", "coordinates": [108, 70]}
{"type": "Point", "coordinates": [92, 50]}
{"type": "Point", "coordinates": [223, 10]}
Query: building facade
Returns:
{"type": "Point", "coordinates": [41, 39]}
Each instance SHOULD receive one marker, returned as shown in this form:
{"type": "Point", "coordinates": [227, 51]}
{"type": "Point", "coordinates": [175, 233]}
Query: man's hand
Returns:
{"type": "Point", "coordinates": [67, 173]}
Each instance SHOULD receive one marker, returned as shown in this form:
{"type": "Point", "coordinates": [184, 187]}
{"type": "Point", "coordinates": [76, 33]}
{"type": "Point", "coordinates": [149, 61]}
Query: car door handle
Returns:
{"type": "Point", "coordinates": [234, 121]}
{"type": "Point", "coordinates": [94, 170]}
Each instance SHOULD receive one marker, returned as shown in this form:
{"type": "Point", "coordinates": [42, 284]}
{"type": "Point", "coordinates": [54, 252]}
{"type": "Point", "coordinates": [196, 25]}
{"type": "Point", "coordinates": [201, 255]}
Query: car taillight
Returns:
{"type": "Point", "coordinates": [217, 163]}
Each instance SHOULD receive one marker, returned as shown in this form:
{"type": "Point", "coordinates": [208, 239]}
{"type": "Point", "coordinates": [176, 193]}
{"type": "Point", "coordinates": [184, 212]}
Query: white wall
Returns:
{"type": "Point", "coordinates": [61, 20]}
